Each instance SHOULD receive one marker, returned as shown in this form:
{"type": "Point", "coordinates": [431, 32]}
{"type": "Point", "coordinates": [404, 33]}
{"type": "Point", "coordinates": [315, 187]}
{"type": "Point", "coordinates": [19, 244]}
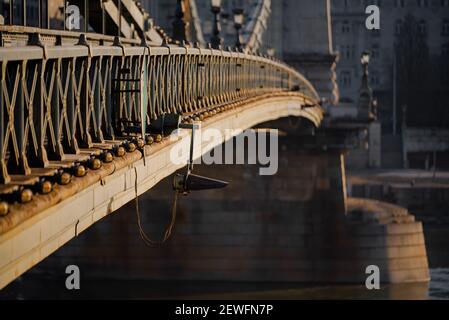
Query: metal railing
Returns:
{"type": "Point", "coordinates": [57, 100]}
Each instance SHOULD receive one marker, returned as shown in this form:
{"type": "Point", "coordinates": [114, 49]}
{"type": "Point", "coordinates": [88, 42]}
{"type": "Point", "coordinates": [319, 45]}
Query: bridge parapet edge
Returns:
{"type": "Point", "coordinates": [53, 219]}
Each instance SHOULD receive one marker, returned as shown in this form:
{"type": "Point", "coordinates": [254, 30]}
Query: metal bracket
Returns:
{"type": "Point", "coordinates": [186, 183]}
{"type": "Point", "coordinates": [36, 40]}
{"type": "Point", "coordinates": [118, 43]}
{"type": "Point", "coordinates": [192, 127]}
{"type": "Point", "coordinates": [82, 41]}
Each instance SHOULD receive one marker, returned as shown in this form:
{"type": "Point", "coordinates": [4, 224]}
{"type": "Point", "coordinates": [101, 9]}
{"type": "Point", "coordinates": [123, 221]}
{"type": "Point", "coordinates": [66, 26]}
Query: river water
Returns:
{"type": "Point", "coordinates": [47, 280]}
{"type": "Point", "coordinates": [32, 287]}
{"type": "Point", "coordinates": [111, 256]}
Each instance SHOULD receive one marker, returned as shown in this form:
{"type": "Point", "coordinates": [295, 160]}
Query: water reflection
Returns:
{"type": "Point", "coordinates": [116, 265]}
{"type": "Point", "coordinates": [439, 286]}
{"type": "Point", "coordinates": [30, 287]}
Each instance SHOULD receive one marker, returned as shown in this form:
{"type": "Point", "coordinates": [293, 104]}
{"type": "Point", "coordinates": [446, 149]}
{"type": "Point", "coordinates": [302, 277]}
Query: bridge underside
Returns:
{"type": "Point", "coordinates": [33, 231]}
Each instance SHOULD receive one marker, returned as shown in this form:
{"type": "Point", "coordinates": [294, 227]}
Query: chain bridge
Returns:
{"type": "Point", "coordinates": [86, 116]}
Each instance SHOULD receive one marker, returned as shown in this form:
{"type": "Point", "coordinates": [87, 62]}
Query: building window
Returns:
{"type": "Point", "coordinates": [347, 52]}
{"type": "Point", "coordinates": [345, 27]}
{"type": "Point", "coordinates": [345, 78]}
{"type": "Point", "coordinates": [422, 27]}
{"type": "Point", "coordinates": [445, 50]}
{"type": "Point", "coordinates": [423, 3]}
{"type": "Point", "coordinates": [445, 27]}
{"type": "Point", "coordinates": [398, 27]}
{"type": "Point", "coordinates": [399, 3]}
{"type": "Point", "coordinates": [335, 4]}
{"type": "Point", "coordinates": [375, 78]}
{"type": "Point", "coordinates": [445, 3]}
{"type": "Point", "coordinates": [375, 51]}
{"type": "Point", "coordinates": [343, 52]}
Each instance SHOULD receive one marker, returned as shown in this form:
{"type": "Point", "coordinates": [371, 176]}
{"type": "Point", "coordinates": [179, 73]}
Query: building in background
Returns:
{"type": "Point", "coordinates": [351, 37]}
{"type": "Point", "coordinates": [416, 32]}
{"type": "Point", "coordinates": [409, 68]}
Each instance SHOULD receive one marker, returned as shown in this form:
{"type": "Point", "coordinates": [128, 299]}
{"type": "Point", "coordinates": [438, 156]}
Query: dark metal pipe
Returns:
{"type": "Point", "coordinates": [103, 18]}
{"type": "Point", "coordinates": [119, 18]}
{"type": "Point", "coordinates": [65, 14]}
{"type": "Point", "coordinates": [11, 12]}
{"type": "Point", "coordinates": [86, 16]}
{"type": "Point", "coordinates": [24, 12]}
{"type": "Point", "coordinates": [39, 14]}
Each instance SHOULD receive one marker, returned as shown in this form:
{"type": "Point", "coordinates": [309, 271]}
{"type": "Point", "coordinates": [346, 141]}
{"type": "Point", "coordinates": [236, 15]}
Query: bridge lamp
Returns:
{"type": "Point", "coordinates": [365, 103]}
{"type": "Point", "coordinates": [365, 58]}
{"type": "Point", "coordinates": [238, 23]}
{"type": "Point", "coordinates": [271, 52]}
{"type": "Point", "coordinates": [216, 40]}
{"type": "Point", "coordinates": [216, 5]}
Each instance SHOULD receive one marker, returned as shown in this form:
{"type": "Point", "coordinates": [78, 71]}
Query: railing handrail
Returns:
{"type": "Point", "coordinates": [20, 31]}
{"type": "Point", "coordinates": [57, 99]}
{"type": "Point", "coordinates": [52, 52]}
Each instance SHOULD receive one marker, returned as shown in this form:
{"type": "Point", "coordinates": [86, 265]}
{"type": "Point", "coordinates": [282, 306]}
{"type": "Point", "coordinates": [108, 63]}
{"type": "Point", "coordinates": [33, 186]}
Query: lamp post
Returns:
{"type": "Point", "coordinates": [365, 103]}
{"type": "Point", "coordinates": [119, 12]}
{"type": "Point", "coordinates": [364, 59]}
{"type": "Point", "coordinates": [179, 25]}
{"type": "Point", "coordinates": [395, 91]}
{"type": "Point", "coordinates": [216, 40]}
{"type": "Point", "coordinates": [238, 23]}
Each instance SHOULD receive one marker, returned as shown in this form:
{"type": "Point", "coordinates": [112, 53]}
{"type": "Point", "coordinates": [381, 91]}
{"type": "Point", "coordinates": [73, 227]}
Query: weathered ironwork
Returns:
{"type": "Point", "coordinates": [197, 33]}
{"type": "Point", "coordinates": [61, 105]}
{"type": "Point", "coordinates": [256, 25]}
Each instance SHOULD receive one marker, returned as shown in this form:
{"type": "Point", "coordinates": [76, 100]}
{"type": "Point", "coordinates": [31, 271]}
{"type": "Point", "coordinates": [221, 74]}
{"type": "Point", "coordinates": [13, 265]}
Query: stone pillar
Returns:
{"type": "Point", "coordinates": [308, 44]}
{"type": "Point", "coordinates": [337, 175]}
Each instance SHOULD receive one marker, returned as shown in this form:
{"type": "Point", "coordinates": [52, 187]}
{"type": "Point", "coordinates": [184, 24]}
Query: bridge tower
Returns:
{"type": "Point", "coordinates": [307, 44]}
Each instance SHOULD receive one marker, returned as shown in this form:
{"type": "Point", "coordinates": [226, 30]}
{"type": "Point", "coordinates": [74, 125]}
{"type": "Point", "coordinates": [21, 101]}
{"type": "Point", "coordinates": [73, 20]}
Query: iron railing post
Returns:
{"type": "Point", "coordinates": [79, 96]}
